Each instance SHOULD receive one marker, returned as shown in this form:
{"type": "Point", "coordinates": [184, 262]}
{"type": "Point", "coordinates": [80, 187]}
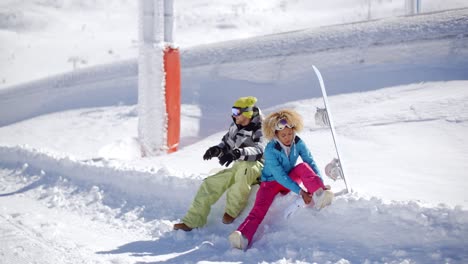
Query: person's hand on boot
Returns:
{"type": "Point", "coordinates": [228, 157]}
{"type": "Point", "coordinates": [212, 152]}
{"type": "Point", "coordinates": [307, 197]}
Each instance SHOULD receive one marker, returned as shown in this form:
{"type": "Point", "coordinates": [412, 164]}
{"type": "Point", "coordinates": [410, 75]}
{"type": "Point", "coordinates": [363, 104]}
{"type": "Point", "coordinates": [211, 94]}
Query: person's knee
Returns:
{"type": "Point", "coordinates": [211, 184]}
{"type": "Point", "coordinates": [205, 186]}
{"type": "Point", "coordinates": [303, 167]}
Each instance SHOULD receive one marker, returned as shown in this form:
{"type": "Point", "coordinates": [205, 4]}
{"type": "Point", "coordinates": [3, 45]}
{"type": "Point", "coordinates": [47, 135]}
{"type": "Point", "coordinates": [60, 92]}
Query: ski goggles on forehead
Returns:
{"type": "Point", "coordinates": [283, 123]}
{"type": "Point", "coordinates": [237, 111]}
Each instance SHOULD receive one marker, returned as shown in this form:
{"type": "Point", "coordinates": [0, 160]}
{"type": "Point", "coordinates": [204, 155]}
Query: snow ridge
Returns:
{"type": "Point", "coordinates": [157, 196]}
{"type": "Point", "coordinates": [294, 51]}
{"type": "Point", "coordinates": [439, 25]}
{"type": "Point", "coordinates": [124, 181]}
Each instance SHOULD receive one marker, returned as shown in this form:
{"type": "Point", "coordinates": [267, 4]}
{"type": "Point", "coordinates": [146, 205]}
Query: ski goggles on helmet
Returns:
{"type": "Point", "coordinates": [283, 123]}
{"type": "Point", "coordinates": [237, 111]}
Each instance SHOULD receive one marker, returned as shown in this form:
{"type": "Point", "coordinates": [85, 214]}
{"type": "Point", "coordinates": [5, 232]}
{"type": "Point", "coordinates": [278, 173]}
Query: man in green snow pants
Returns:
{"type": "Point", "coordinates": [243, 144]}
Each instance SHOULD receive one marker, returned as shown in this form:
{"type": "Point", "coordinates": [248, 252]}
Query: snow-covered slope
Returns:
{"type": "Point", "coordinates": [73, 188]}
{"type": "Point", "coordinates": [389, 138]}
{"type": "Point", "coordinates": [40, 38]}
{"type": "Point", "coordinates": [394, 51]}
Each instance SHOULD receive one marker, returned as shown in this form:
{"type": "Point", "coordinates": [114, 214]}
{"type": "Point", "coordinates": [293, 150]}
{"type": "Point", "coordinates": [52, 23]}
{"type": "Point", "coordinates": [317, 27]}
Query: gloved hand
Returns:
{"type": "Point", "coordinates": [212, 152]}
{"type": "Point", "coordinates": [228, 157]}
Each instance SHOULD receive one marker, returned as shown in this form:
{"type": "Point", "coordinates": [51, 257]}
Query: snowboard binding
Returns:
{"type": "Point", "coordinates": [321, 117]}
{"type": "Point", "coordinates": [333, 170]}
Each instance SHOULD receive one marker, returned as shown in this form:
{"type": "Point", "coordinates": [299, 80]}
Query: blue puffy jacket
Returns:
{"type": "Point", "coordinates": [278, 165]}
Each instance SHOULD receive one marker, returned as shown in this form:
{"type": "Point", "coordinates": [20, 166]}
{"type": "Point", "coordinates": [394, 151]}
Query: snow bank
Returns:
{"type": "Point", "coordinates": [356, 229]}
{"type": "Point", "coordinates": [446, 24]}
{"type": "Point", "coordinates": [153, 186]}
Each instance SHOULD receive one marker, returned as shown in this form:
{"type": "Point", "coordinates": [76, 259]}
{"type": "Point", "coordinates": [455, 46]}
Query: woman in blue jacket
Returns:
{"type": "Point", "coordinates": [281, 175]}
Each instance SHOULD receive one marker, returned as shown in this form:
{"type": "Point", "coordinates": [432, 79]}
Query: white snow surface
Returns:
{"type": "Point", "coordinates": [73, 188]}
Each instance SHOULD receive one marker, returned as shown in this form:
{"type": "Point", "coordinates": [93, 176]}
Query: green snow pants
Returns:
{"type": "Point", "coordinates": [236, 180]}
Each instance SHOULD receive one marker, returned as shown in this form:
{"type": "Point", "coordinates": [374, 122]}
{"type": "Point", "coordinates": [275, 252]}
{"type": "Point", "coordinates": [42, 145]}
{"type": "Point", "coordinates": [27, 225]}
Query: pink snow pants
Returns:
{"type": "Point", "coordinates": [267, 192]}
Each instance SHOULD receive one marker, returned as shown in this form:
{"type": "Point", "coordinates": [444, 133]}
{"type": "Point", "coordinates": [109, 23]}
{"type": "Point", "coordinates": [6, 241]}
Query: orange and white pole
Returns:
{"type": "Point", "coordinates": [158, 79]}
{"type": "Point", "coordinates": [172, 69]}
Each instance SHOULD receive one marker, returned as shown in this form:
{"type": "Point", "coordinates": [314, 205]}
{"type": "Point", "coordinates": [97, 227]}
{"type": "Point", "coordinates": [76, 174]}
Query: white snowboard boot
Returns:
{"type": "Point", "coordinates": [322, 198]}
{"type": "Point", "coordinates": [238, 240]}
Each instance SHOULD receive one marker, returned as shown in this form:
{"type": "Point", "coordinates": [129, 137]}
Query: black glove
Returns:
{"type": "Point", "coordinates": [212, 152]}
{"type": "Point", "coordinates": [227, 158]}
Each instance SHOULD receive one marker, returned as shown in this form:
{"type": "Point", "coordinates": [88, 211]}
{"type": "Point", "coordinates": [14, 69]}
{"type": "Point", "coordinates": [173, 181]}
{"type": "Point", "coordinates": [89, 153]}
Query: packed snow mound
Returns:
{"type": "Point", "coordinates": [355, 229]}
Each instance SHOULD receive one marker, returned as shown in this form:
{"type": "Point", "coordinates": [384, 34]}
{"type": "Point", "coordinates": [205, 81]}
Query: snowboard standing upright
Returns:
{"type": "Point", "coordinates": [334, 169]}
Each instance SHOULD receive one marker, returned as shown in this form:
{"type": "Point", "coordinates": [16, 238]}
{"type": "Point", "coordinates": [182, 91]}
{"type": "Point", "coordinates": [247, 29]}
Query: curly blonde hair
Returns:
{"type": "Point", "coordinates": [269, 123]}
